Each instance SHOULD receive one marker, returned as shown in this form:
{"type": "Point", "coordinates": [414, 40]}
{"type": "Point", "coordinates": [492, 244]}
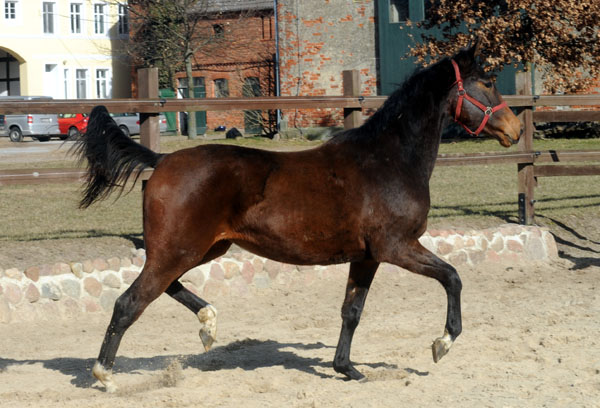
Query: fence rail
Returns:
{"type": "Point", "coordinates": [157, 105]}
{"type": "Point", "coordinates": [352, 104]}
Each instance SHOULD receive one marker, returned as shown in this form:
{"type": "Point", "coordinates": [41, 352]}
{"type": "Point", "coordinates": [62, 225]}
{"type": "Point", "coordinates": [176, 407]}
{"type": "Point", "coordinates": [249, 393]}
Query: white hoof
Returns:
{"type": "Point", "coordinates": [208, 325]}
{"type": "Point", "coordinates": [104, 376]}
{"type": "Point", "coordinates": [441, 346]}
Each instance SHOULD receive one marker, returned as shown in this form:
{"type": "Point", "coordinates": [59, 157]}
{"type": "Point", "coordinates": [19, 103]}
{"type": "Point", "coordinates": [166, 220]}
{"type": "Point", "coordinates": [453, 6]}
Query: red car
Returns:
{"type": "Point", "coordinates": [71, 125]}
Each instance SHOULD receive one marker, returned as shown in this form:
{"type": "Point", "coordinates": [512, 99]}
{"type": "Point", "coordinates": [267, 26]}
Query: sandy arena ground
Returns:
{"type": "Point", "coordinates": [530, 339]}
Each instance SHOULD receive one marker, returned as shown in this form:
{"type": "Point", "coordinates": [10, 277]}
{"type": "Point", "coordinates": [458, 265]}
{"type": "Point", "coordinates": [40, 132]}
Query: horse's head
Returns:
{"type": "Point", "coordinates": [476, 104]}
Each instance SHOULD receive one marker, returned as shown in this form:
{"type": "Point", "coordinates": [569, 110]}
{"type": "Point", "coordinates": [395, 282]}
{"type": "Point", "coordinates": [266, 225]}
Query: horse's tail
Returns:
{"type": "Point", "coordinates": [111, 157]}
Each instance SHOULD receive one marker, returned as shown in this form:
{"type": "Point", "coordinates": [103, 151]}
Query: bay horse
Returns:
{"type": "Point", "coordinates": [362, 197]}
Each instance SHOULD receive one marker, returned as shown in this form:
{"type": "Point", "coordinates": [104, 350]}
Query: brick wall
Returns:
{"type": "Point", "coordinates": [318, 40]}
{"type": "Point", "coordinates": [246, 50]}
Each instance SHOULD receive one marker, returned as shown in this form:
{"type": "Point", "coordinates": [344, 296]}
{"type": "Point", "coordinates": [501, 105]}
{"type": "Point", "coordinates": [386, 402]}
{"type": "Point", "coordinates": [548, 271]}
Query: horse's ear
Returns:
{"type": "Point", "coordinates": [475, 48]}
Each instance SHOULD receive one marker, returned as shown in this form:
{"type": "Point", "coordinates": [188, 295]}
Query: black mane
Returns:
{"type": "Point", "coordinates": [416, 102]}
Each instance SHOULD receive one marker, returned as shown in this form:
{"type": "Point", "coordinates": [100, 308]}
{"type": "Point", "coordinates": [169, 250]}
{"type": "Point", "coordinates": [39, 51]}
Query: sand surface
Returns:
{"type": "Point", "coordinates": [530, 339]}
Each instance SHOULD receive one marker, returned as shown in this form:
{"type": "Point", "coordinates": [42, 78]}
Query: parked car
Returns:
{"type": "Point", "coordinates": [72, 125]}
{"type": "Point", "coordinates": [2, 126]}
{"type": "Point", "coordinates": [40, 126]}
{"type": "Point", "coordinates": [129, 123]}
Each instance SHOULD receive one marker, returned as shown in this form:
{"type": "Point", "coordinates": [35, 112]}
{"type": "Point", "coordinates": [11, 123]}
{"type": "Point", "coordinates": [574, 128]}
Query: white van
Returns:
{"type": "Point", "coordinates": [40, 126]}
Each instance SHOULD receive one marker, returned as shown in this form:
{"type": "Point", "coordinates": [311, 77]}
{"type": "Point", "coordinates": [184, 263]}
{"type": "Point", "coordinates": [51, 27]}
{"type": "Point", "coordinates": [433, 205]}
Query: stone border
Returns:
{"type": "Point", "coordinates": [92, 286]}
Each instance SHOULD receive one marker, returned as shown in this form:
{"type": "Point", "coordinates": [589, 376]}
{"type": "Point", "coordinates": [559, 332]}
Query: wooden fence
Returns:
{"type": "Point", "coordinates": [149, 105]}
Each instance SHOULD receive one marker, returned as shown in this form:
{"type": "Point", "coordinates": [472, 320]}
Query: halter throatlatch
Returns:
{"type": "Point", "coordinates": [488, 111]}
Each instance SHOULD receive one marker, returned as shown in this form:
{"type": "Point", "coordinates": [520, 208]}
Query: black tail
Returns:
{"type": "Point", "coordinates": [111, 157]}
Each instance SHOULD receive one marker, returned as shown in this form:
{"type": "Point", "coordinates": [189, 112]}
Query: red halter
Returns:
{"type": "Point", "coordinates": [462, 94]}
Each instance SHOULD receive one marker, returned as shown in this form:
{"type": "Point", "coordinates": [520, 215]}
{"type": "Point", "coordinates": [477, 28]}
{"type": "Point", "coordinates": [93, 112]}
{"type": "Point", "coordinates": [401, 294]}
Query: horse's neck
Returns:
{"type": "Point", "coordinates": [419, 141]}
{"type": "Point", "coordinates": [418, 120]}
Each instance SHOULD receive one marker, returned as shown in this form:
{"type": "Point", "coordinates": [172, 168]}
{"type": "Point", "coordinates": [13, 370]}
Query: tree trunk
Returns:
{"type": "Point", "coordinates": [192, 128]}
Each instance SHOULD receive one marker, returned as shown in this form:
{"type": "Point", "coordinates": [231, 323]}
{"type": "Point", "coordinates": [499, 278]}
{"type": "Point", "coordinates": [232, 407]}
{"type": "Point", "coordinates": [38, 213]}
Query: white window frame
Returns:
{"type": "Point", "coordinates": [123, 19]}
{"type": "Point", "coordinates": [86, 83]}
{"type": "Point", "coordinates": [49, 18]}
{"type": "Point", "coordinates": [67, 83]}
{"type": "Point", "coordinates": [18, 20]}
{"type": "Point", "coordinates": [76, 17]}
{"type": "Point", "coordinates": [14, 10]}
{"type": "Point", "coordinates": [100, 19]}
{"type": "Point", "coordinates": [105, 81]}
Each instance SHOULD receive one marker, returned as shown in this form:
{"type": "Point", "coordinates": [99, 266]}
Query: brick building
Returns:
{"type": "Point", "coordinates": [240, 63]}
{"type": "Point", "coordinates": [318, 39]}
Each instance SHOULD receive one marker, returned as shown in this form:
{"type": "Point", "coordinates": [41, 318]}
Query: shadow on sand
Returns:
{"type": "Point", "coordinates": [246, 354]}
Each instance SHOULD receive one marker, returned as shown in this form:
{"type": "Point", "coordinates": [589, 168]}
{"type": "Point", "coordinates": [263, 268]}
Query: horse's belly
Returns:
{"type": "Point", "coordinates": [305, 253]}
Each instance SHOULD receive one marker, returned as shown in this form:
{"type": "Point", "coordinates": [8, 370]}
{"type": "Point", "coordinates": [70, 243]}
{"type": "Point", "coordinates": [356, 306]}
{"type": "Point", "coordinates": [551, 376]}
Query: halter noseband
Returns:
{"type": "Point", "coordinates": [462, 94]}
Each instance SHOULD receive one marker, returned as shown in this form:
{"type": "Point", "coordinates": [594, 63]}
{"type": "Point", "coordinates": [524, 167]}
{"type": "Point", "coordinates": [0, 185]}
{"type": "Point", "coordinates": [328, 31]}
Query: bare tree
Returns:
{"type": "Point", "coordinates": [561, 37]}
{"type": "Point", "coordinates": [167, 34]}
{"type": "Point", "coordinates": [173, 34]}
{"type": "Point", "coordinates": [254, 85]}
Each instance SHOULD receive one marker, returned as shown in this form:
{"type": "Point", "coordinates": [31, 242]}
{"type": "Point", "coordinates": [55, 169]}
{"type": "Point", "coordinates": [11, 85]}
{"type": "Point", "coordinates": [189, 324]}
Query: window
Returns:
{"type": "Point", "coordinates": [81, 83]}
{"type": "Point", "coordinates": [66, 83]}
{"type": "Point", "coordinates": [48, 17]}
{"type": "Point", "coordinates": [75, 18]}
{"type": "Point", "coordinates": [99, 18]}
{"type": "Point", "coordinates": [102, 85]}
{"type": "Point", "coordinates": [10, 10]}
{"type": "Point", "coordinates": [221, 88]}
{"type": "Point", "coordinates": [199, 90]}
{"type": "Point", "coordinates": [251, 87]}
{"type": "Point", "coordinates": [9, 75]}
{"type": "Point", "coordinates": [123, 19]}
{"type": "Point", "coordinates": [218, 30]}
{"type": "Point", "coordinates": [267, 28]}
{"type": "Point", "coordinates": [399, 11]}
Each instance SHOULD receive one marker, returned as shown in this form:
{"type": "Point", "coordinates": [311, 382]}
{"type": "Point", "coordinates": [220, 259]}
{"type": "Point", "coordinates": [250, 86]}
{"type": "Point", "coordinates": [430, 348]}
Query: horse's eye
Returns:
{"type": "Point", "coordinates": [488, 84]}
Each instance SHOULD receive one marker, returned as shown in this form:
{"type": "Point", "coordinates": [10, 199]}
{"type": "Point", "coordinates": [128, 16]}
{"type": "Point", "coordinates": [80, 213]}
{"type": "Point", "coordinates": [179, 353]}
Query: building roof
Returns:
{"type": "Point", "coordinates": [225, 6]}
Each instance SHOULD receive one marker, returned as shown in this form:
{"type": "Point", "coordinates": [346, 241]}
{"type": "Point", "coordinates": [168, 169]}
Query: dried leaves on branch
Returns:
{"type": "Point", "coordinates": [561, 37]}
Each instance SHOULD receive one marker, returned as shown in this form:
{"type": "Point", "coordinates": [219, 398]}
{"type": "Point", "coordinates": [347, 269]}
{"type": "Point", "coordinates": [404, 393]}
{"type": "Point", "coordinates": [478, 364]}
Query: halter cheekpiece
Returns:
{"type": "Point", "coordinates": [488, 111]}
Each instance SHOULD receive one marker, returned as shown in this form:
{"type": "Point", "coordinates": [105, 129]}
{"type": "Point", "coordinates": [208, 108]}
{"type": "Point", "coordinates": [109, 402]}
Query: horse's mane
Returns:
{"type": "Point", "coordinates": [416, 100]}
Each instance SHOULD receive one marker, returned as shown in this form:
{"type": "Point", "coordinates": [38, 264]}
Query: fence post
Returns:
{"type": "Point", "coordinates": [148, 88]}
{"type": "Point", "coordinates": [351, 83]}
{"type": "Point", "coordinates": [527, 181]}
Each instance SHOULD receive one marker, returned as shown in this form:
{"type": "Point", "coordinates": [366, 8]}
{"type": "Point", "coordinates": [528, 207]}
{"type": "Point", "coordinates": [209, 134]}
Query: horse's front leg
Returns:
{"type": "Point", "coordinates": [418, 259]}
{"type": "Point", "coordinates": [359, 281]}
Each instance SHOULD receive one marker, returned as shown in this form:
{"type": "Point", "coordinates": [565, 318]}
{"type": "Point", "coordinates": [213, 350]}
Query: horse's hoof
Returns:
{"type": "Point", "coordinates": [208, 325]}
{"type": "Point", "coordinates": [351, 372]}
{"type": "Point", "coordinates": [441, 346]}
{"type": "Point", "coordinates": [355, 375]}
{"type": "Point", "coordinates": [105, 377]}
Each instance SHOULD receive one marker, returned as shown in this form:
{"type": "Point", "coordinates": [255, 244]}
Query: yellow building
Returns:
{"type": "Point", "coordinates": [67, 49]}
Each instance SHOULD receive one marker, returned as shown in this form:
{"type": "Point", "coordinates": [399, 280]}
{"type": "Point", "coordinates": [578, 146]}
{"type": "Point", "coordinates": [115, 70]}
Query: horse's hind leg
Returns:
{"type": "Point", "coordinates": [206, 313]}
{"type": "Point", "coordinates": [151, 283]}
{"type": "Point", "coordinates": [421, 261]}
{"type": "Point", "coordinates": [359, 281]}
